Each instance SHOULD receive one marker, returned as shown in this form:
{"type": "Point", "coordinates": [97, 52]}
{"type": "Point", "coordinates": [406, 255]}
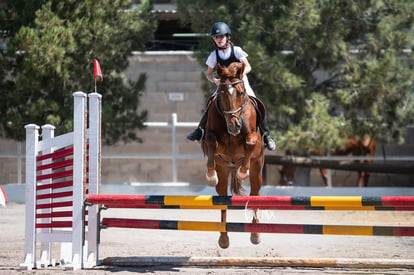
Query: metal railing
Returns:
{"type": "Point", "coordinates": [174, 156]}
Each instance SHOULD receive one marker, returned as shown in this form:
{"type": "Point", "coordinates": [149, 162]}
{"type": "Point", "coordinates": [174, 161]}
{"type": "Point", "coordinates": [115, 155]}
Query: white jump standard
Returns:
{"type": "Point", "coordinates": [56, 184]}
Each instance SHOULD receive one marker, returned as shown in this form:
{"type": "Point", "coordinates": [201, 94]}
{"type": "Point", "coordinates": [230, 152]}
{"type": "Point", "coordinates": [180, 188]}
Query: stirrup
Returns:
{"type": "Point", "coordinates": [269, 142]}
{"type": "Point", "coordinates": [197, 135]}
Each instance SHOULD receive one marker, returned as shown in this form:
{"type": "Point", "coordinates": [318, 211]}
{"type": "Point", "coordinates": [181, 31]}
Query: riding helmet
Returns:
{"type": "Point", "coordinates": [220, 28]}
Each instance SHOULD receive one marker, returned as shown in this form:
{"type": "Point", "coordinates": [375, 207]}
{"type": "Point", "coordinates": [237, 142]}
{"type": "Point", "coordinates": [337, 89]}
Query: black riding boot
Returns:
{"type": "Point", "coordinates": [198, 133]}
{"type": "Point", "coordinates": [268, 140]}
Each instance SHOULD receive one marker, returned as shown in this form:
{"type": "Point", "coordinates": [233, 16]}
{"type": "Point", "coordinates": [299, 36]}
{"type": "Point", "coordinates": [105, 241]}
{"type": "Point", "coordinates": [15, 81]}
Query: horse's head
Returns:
{"type": "Point", "coordinates": [232, 95]}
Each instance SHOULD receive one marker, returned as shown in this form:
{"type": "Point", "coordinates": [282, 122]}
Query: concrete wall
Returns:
{"type": "Point", "coordinates": [169, 74]}
{"type": "Point", "coordinates": [9, 163]}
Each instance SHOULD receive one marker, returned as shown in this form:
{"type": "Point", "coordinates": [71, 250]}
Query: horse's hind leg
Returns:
{"type": "Point", "coordinates": [221, 189]}
{"type": "Point", "coordinates": [255, 185]}
{"type": "Point", "coordinates": [255, 236]}
{"type": "Point", "coordinates": [363, 179]}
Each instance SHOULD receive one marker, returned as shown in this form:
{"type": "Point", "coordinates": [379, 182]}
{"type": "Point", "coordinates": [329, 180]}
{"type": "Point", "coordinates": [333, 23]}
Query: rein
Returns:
{"type": "Point", "coordinates": [238, 109]}
{"type": "Point", "coordinates": [228, 114]}
{"type": "Point", "coordinates": [231, 83]}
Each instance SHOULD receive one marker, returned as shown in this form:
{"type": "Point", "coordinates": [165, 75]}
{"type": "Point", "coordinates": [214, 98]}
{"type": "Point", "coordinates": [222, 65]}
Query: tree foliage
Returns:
{"type": "Point", "coordinates": [50, 50]}
{"type": "Point", "coordinates": [326, 69]}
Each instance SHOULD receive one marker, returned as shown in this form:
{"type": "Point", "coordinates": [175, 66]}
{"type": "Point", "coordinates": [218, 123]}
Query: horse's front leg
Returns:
{"type": "Point", "coordinates": [211, 174]}
{"type": "Point", "coordinates": [221, 189]}
{"type": "Point", "coordinates": [224, 241]}
{"type": "Point", "coordinates": [243, 171]}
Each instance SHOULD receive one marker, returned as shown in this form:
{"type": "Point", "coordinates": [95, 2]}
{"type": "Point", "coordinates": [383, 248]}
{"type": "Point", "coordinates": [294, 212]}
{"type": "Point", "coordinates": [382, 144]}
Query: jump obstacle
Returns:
{"type": "Point", "coordinates": [63, 203]}
{"type": "Point", "coordinates": [60, 172]}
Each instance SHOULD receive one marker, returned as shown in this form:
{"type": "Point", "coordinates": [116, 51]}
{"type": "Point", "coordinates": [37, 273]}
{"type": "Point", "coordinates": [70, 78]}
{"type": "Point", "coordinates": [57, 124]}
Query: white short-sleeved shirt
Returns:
{"type": "Point", "coordinates": [225, 54]}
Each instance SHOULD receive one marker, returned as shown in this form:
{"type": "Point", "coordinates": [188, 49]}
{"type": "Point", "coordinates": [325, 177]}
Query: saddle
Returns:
{"type": "Point", "coordinates": [260, 109]}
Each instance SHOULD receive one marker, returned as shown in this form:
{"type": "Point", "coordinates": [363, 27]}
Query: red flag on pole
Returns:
{"type": "Point", "coordinates": [97, 70]}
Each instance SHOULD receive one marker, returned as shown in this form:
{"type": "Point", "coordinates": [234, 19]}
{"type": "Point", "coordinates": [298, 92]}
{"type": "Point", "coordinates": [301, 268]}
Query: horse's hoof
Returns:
{"type": "Point", "coordinates": [224, 242]}
{"type": "Point", "coordinates": [213, 180]}
{"type": "Point", "coordinates": [240, 175]}
{"type": "Point", "coordinates": [255, 238]}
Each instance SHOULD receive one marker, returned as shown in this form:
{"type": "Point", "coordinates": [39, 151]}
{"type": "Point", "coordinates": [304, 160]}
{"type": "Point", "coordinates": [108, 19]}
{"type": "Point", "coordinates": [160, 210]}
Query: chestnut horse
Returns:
{"type": "Point", "coordinates": [233, 142]}
{"type": "Point", "coordinates": [352, 146]}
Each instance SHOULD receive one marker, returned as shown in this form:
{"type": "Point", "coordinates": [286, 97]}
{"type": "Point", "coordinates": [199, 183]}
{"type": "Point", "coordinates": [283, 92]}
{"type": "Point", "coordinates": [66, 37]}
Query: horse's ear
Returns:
{"type": "Point", "coordinates": [240, 71]}
{"type": "Point", "coordinates": [219, 69]}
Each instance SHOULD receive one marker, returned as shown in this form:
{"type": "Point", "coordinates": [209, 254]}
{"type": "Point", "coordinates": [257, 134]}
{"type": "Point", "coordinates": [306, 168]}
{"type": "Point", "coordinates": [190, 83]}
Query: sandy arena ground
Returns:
{"type": "Point", "coordinates": [138, 242]}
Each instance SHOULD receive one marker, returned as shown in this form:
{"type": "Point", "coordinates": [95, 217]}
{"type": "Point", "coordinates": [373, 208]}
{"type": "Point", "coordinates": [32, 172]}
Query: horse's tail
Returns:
{"type": "Point", "coordinates": [236, 184]}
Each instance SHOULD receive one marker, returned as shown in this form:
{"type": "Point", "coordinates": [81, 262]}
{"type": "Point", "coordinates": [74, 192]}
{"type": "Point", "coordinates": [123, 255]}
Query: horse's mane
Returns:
{"type": "Point", "coordinates": [230, 71]}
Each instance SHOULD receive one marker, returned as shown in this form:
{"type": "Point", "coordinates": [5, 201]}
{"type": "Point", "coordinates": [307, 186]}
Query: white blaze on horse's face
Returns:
{"type": "Point", "coordinates": [230, 89]}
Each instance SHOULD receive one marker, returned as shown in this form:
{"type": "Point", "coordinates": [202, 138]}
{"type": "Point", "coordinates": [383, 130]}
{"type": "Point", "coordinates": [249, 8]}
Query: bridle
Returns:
{"type": "Point", "coordinates": [230, 89]}
{"type": "Point", "coordinates": [228, 114]}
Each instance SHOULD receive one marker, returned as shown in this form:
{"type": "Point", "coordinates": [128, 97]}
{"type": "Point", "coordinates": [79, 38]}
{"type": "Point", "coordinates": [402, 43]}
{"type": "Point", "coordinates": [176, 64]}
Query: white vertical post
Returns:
{"type": "Point", "coordinates": [32, 139]}
{"type": "Point", "coordinates": [48, 132]}
{"type": "Point", "coordinates": [95, 101]}
{"type": "Point", "coordinates": [79, 134]}
{"type": "Point", "coordinates": [174, 146]}
{"type": "Point", "coordinates": [19, 162]}
{"type": "Point", "coordinates": [329, 175]}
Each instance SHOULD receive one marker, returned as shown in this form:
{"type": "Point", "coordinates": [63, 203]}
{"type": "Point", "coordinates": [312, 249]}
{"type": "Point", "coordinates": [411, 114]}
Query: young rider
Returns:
{"type": "Point", "coordinates": [224, 54]}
